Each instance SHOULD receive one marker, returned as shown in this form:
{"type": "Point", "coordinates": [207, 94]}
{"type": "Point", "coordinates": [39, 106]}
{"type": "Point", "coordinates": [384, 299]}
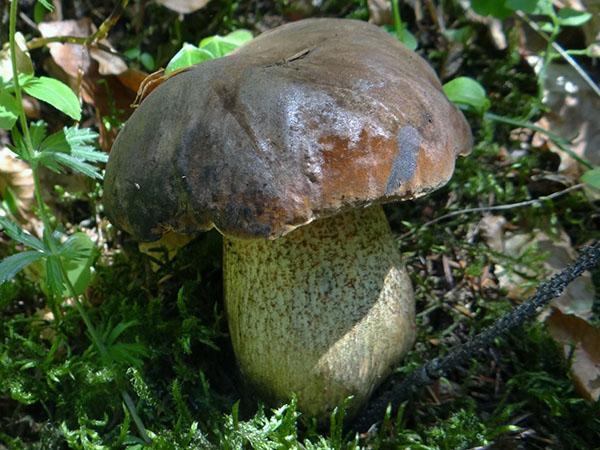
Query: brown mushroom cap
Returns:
{"type": "Point", "coordinates": [308, 120]}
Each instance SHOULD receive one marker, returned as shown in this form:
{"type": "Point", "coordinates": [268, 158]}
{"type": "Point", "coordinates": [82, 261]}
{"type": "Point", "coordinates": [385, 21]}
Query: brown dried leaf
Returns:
{"type": "Point", "coordinates": [165, 248]}
{"type": "Point", "coordinates": [24, 64]}
{"type": "Point", "coordinates": [102, 78]}
{"type": "Point", "coordinates": [73, 59]}
{"type": "Point", "coordinates": [380, 12]}
{"type": "Point", "coordinates": [108, 63]}
{"type": "Point", "coordinates": [581, 342]}
{"type": "Point", "coordinates": [16, 175]}
{"type": "Point", "coordinates": [578, 298]}
{"type": "Point", "coordinates": [572, 113]}
{"type": "Point", "coordinates": [183, 6]}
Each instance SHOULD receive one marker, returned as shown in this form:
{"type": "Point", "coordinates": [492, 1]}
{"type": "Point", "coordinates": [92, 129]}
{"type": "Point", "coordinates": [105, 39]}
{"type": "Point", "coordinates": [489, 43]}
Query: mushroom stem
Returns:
{"type": "Point", "coordinates": [324, 312]}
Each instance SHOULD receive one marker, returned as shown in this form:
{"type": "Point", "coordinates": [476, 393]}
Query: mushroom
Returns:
{"type": "Point", "coordinates": [288, 148]}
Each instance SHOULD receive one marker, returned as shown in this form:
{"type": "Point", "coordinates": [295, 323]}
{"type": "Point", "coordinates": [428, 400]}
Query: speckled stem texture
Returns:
{"type": "Point", "coordinates": [324, 312]}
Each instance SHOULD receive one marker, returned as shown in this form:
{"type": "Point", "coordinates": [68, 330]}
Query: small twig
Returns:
{"type": "Point", "coordinates": [438, 367]}
{"type": "Point", "coordinates": [109, 22]}
{"type": "Point", "coordinates": [535, 27]}
{"type": "Point", "coordinates": [25, 18]}
{"type": "Point", "coordinates": [559, 141]}
{"type": "Point", "coordinates": [531, 202]}
{"type": "Point", "coordinates": [92, 39]}
{"type": "Point", "coordinates": [41, 42]}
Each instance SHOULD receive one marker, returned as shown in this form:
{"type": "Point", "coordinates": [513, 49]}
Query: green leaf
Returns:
{"type": "Point", "coordinates": [494, 8]}
{"type": "Point", "coordinates": [111, 337]}
{"type": "Point", "coordinates": [76, 164]}
{"type": "Point", "coordinates": [77, 254]}
{"type": "Point", "coordinates": [592, 177]}
{"type": "Point", "coordinates": [46, 4]}
{"type": "Point", "coordinates": [56, 94]}
{"type": "Point", "coordinates": [568, 17]}
{"type": "Point", "coordinates": [217, 46]}
{"type": "Point", "coordinates": [128, 353]}
{"type": "Point", "coordinates": [220, 46]}
{"type": "Point", "coordinates": [39, 12]}
{"type": "Point", "coordinates": [16, 233]}
{"type": "Point", "coordinates": [531, 6]}
{"type": "Point", "coordinates": [406, 37]}
{"type": "Point", "coordinates": [147, 61]}
{"type": "Point", "coordinates": [132, 53]}
{"type": "Point", "coordinates": [467, 92]}
{"type": "Point", "coordinates": [19, 148]}
{"type": "Point", "coordinates": [76, 247]}
{"type": "Point", "coordinates": [13, 264]}
{"type": "Point", "coordinates": [210, 48]}
{"type": "Point", "coordinates": [37, 133]}
{"type": "Point", "coordinates": [462, 34]}
{"type": "Point", "coordinates": [10, 201]}
{"type": "Point", "coordinates": [188, 56]}
{"type": "Point", "coordinates": [239, 37]}
{"type": "Point", "coordinates": [54, 277]}
{"type": "Point", "coordinates": [70, 148]}
{"type": "Point", "coordinates": [9, 110]}
{"type": "Point", "coordinates": [78, 137]}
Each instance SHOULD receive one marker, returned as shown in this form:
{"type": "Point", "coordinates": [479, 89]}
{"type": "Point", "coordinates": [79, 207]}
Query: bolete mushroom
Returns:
{"type": "Point", "coordinates": [289, 147]}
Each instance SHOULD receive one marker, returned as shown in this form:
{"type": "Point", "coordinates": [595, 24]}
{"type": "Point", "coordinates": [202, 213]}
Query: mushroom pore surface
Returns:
{"type": "Point", "coordinates": [324, 312]}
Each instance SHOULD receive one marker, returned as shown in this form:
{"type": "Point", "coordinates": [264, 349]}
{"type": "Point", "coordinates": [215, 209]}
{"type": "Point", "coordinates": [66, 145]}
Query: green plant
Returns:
{"type": "Point", "coordinates": [65, 260]}
{"type": "Point", "coordinates": [58, 392]}
{"type": "Point", "coordinates": [209, 48]}
{"type": "Point", "coordinates": [399, 30]}
{"type": "Point", "coordinates": [548, 23]}
{"type": "Point", "coordinates": [469, 94]}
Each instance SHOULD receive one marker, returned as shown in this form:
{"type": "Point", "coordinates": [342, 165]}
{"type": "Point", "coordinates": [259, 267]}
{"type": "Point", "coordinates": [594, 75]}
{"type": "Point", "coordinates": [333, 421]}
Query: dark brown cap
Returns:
{"type": "Point", "coordinates": [308, 120]}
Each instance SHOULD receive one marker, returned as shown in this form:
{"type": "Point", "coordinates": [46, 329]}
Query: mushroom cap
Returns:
{"type": "Point", "coordinates": [306, 121]}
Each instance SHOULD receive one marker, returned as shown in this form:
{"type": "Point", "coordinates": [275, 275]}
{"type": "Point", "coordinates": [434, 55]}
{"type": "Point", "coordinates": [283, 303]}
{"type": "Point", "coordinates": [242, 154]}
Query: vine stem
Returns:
{"type": "Point", "coordinates": [13, 59]}
{"type": "Point", "coordinates": [398, 25]}
{"type": "Point", "coordinates": [96, 340]}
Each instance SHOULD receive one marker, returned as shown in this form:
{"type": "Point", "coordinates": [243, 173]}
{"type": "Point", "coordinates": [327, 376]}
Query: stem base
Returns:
{"type": "Point", "coordinates": [324, 312]}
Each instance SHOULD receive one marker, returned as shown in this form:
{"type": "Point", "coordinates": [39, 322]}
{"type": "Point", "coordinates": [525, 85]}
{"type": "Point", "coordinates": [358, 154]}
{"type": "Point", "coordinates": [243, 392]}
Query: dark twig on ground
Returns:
{"type": "Point", "coordinates": [438, 367]}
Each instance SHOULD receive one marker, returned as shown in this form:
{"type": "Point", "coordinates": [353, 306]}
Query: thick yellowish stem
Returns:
{"type": "Point", "coordinates": [324, 312]}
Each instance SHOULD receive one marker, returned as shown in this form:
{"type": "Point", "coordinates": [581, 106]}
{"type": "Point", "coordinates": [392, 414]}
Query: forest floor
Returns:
{"type": "Point", "coordinates": [161, 316]}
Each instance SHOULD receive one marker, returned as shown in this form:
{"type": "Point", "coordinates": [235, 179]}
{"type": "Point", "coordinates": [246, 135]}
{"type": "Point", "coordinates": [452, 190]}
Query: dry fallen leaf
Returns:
{"type": "Point", "coordinates": [572, 114]}
{"type": "Point", "coordinates": [183, 6]}
{"type": "Point", "coordinates": [380, 12]}
{"type": "Point", "coordinates": [24, 64]}
{"type": "Point", "coordinates": [100, 77]}
{"type": "Point", "coordinates": [17, 176]}
{"type": "Point", "coordinates": [165, 248]}
{"type": "Point", "coordinates": [581, 343]}
{"type": "Point", "coordinates": [578, 298]}
{"type": "Point", "coordinates": [567, 318]}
